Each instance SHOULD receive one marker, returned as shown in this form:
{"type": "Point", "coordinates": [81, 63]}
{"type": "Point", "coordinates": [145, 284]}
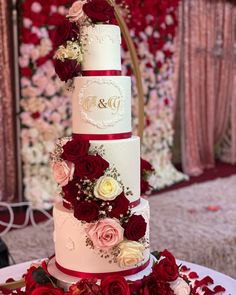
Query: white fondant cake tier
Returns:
{"type": "Point", "coordinates": [101, 105]}
{"type": "Point", "coordinates": [65, 281]}
{"type": "Point", "coordinates": [101, 47]}
{"type": "Point", "coordinates": [72, 252]}
{"type": "Point", "coordinates": [124, 154]}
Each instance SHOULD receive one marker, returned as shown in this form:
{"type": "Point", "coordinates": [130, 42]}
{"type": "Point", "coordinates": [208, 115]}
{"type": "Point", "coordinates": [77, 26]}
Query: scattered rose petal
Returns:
{"type": "Point", "coordinates": [193, 275]}
{"type": "Point", "coordinates": [213, 208]}
{"type": "Point", "coordinates": [184, 268]}
{"type": "Point", "coordinates": [10, 280]}
{"type": "Point", "coordinates": [219, 288]}
{"type": "Point", "coordinates": [192, 211]}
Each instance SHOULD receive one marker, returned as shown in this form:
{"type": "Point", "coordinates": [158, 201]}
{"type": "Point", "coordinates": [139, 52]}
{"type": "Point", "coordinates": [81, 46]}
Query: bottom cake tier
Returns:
{"type": "Point", "coordinates": [65, 281]}
{"type": "Point", "coordinates": [74, 254]}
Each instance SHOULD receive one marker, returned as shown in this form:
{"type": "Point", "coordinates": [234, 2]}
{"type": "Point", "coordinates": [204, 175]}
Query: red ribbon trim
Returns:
{"type": "Point", "coordinates": [87, 275]}
{"type": "Point", "coordinates": [68, 205]}
{"type": "Point", "coordinates": [102, 136]}
{"type": "Point", "coordinates": [135, 203]}
{"type": "Point", "coordinates": [102, 73]}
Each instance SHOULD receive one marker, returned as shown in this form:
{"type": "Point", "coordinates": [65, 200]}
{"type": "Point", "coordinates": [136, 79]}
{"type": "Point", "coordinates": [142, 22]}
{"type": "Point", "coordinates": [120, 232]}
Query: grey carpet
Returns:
{"type": "Point", "coordinates": [180, 222]}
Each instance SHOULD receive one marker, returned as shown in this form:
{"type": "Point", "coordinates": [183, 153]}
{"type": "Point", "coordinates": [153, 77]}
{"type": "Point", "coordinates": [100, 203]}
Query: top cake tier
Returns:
{"type": "Point", "coordinates": [101, 47]}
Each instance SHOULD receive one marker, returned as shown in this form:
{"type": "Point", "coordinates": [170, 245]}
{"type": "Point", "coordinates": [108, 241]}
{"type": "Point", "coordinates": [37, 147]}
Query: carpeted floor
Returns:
{"type": "Point", "coordinates": [197, 223]}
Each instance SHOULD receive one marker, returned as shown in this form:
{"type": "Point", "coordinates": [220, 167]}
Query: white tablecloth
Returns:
{"type": "Point", "coordinates": [16, 271]}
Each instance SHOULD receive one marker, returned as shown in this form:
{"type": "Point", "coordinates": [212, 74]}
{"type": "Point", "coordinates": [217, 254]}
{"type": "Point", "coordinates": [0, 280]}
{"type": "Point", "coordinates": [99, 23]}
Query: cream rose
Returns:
{"type": "Point", "coordinates": [71, 51]}
{"type": "Point", "coordinates": [131, 253]}
{"type": "Point", "coordinates": [107, 188]}
{"type": "Point", "coordinates": [63, 172]}
{"type": "Point", "coordinates": [180, 287]}
{"type": "Point", "coordinates": [105, 233]}
{"type": "Point", "coordinates": [76, 13]}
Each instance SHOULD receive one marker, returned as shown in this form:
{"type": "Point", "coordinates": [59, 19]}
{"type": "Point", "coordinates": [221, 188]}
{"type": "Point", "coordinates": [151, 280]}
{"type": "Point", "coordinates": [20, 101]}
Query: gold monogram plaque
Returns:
{"type": "Point", "coordinates": [102, 100]}
{"type": "Point", "coordinates": [90, 102]}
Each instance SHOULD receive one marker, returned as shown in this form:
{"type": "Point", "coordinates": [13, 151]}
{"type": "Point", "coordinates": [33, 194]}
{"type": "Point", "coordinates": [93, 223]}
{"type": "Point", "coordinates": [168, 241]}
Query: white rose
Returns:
{"type": "Point", "coordinates": [131, 253]}
{"type": "Point", "coordinates": [107, 188]}
{"type": "Point", "coordinates": [180, 287]}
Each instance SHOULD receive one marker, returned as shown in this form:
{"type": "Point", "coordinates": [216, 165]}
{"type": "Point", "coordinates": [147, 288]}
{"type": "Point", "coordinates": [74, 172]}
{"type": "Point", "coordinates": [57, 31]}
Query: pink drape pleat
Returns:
{"type": "Point", "coordinates": [7, 142]}
{"type": "Point", "coordinates": [208, 79]}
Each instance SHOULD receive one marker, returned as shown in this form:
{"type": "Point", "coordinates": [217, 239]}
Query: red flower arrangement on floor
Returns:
{"type": "Point", "coordinates": [166, 278]}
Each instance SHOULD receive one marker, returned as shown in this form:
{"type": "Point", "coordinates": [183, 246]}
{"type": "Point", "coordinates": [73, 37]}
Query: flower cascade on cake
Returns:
{"type": "Point", "coordinates": [92, 188]}
{"type": "Point", "coordinates": [69, 52]}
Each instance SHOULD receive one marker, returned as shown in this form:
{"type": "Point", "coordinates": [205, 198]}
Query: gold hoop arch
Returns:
{"type": "Point", "coordinates": [135, 65]}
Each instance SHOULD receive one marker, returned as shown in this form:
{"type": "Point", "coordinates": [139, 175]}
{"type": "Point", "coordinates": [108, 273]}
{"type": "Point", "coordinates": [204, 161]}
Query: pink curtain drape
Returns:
{"type": "Point", "coordinates": [7, 136]}
{"type": "Point", "coordinates": [208, 51]}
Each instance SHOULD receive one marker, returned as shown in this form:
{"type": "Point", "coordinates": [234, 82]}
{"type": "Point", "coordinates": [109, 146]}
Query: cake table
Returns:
{"type": "Point", "coordinates": [17, 270]}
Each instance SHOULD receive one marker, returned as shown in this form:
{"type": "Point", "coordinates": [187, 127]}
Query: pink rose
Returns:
{"type": "Point", "coordinates": [50, 89]}
{"type": "Point", "coordinates": [63, 172]}
{"type": "Point", "coordinates": [24, 61]}
{"type": "Point", "coordinates": [76, 13]}
{"type": "Point", "coordinates": [27, 22]}
{"type": "Point", "coordinates": [36, 7]}
{"type": "Point", "coordinates": [40, 81]}
{"type": "Point", "coordinates": [34, 54]}
{"type": "Point", "coordinates": [105, 233]}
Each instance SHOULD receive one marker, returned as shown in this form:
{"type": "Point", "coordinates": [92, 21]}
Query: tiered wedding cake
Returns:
{"type": "Point", "coordinates": [102, 224]}
{"type": "Point", "coordinates": [101, 108]}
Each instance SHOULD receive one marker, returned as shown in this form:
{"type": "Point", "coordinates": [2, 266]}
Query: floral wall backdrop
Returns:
{"type": "Point", "coordinates": [45, 104]}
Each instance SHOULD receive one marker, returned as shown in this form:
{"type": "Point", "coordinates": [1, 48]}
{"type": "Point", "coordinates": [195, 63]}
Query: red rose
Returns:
{"type": "Point", "coordinates": [35, 115]}
{"type": "Point", "coordinates": [26, 72]}
{"type": "Point", "coordinates": [74, 149]}
{"type": "Point", "coordinates": [86, 211]}
{"type": "Point", "coordinates": [85, 287]}
{"type": "Point", "coordinates": [65, 31]}
{"type": "Point", "coordinates": [29, 37]}
{"type": "Point", "coordinates": [152, 286]}
{"type": "Point", "coordinates": [47, 290]}
{"type": "Point", "coordinates": [99, 11]}
{"type": "Point", "coordinates": [55, 19]}
{"type": "Point", "coordinates": [145, 187]}
{"type": "Point", "coordinates": [67, 69]}
{"type": "Point", "coordinates": [115, 285]}
{"type": "Point", "coordinates": [40, 61]}
{"type": "Point", "coordinates": [168, 255]}
{"type": "Point", "coordinates": [5, 291]}
{"type": "Point", "coordinates": [39, 19]}
{"type": "Point", "coordinates": [70, 191]}
{"type": "Point", "coordinates": [145, 165]}
{"type": "Point", "coordinates": [166, 269]}
{"type": "Point", "coordinates": [91, 167]}
{"type": "Point", "coordinates": [119, 206]}
{"type": "Point", "coordinates": [30, 283]}
{"type": "Point", "coordinates": [135, 228]}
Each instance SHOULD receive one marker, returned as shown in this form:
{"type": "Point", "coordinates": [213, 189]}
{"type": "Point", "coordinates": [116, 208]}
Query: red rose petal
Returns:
{"type": "Point", "coordinates": [208, 291]}
{"type": "Point", "coordinates": [184, 268]}
{"type": "Point", "coordinates": [219, 288]}
{"type": "Point", "coordinates": [10, 280]}
{"type": "Point", "coordinates": [193, 275]}
{"type": "Point", "coordinates": [213, 208]}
